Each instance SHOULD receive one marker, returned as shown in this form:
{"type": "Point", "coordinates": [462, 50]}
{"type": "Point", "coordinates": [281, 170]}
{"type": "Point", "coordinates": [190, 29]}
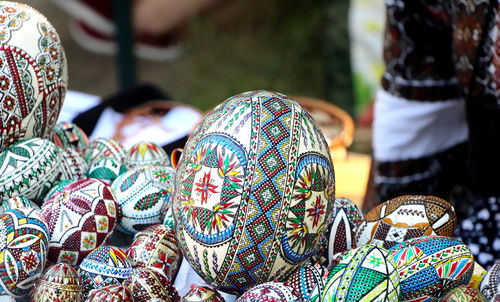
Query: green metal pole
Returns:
{"type": "Point", "coordinates": [125, 40]}
{"type": "Point", "coordinates": [337, 60]}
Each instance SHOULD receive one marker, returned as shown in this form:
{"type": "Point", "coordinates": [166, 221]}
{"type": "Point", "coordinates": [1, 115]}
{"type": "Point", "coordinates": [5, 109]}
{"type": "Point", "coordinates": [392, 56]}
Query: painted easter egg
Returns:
{"type": "Point", "coordinates": [143, 195]}
{"type": "Point", "coordinates": [57, 187]}
{"type": "Point", "coordinates": [341, 233]}
{"type": "Point", "coordinates": [366, 273]}
{"type": "Point", "coordinates": [24, 242]}
{"type": "Point", "coordinates": [270, 292]}
{"type": "Point", "coordinates": [254, 191]}
{"type": "Point", "coordinates": [113, 293]}
{"type": "Point", "coordinates": [146, 154]}
{"type": "Point", "coordinates": [146, 284]}
{"type": "Point", "coordinates": [17, 202]}
{"type": "Point", "coordinates": [59, 283]}
{"type": "Point", "coordinates": [69, 135]}
{"type": "Point", "coordinates": [407, 217]}
{"type": "Point", "coordinates": [156, 247]}
{"type": "Point", "coordinates": [477, 276]}
{"type": "Point", "coordinates": [80, 218]}
{"type": "Point", "coordinates": [105, 169]}
{"type": "Point", "coordinates": [104, 148]}
{"type": "Point", "coordinates": [463, 293]}
{"type": "Point", "coordinates": [105, 266]}
{"type": "Point", "coordinates": [169, 217]}
{"type": "Point", "coordinates": [430, 266]}
{"type": "Point", "coordinates": [72, 165]}
{"type": "Point", "coordinates": [33, 74]}
{"type": "Point", "coordinates": [199, 293]}
{"type": "Point", "coordinates": [28, 168]}
{"type": "Point", "coordinates": [490, 286]}
{"type": "Point", "coordinates": [308, 281]}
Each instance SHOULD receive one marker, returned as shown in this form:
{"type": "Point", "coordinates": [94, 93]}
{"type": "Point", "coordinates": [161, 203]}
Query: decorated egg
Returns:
{"type": "Point", "coordinates": [146, 284]}
{"type": "Point", "coordinates": [105, 266]}
{"type": "Point", "coordinates": [69, 135]}
{"type": "Point", "coordinates": [156, 247]}
{"type": "Point", "coordinates": [28, 168]}
{"type": "Point", "coordinates": [33, 76]}
{"type": "Point", "coordinates": [490, 286]}
{"type": "Point", "coordinates": [199, 293]}
{"type": "Point", "coordinates": [430, 266]}
{"type": "Point", "coordinates": [113, 293]}
{"type": "Point", "coordinates": [17, 202]}
{"type": "Point", "coordinates": [270, 292]}
{"type": "Point", "coordinates": [366, 273]}
{"type": "Point", "coordinates": [145, 154]}
{"type": "Point", "coordinates": [341, 233]}
{"type": "Point", "coordinates": [254, 191]}
{"type": "Point", "coordinates": [463, 293]}
{"type": "Point", "coordinates": [57, 187]}
{"type": "Point", "coordinates": [72, 165]}
{"type": "Point", "coordinates": [24, 241]}
{"type": "Point", "coordinates": [105, 169]}
{"type": "Point", "coordinates": [104, 148]}
{"type": "Point", "coordinates": [60, 283]}
{"type": "Point", "coordinates": [477, 276]}
{"type": "Point", "coordinates": [80, 218]}
{"type": "Point", "coordinates": [407, 217]}
{"type": "Point", "coordinates": [308, 280]}
{"type": "Point", "coordinates": [143, 195]}
{"type": "Point", "coordinates": [169, 217]}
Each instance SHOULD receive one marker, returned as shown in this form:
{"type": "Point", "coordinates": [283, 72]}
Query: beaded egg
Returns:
{"type": "Point", "coordinates": [24, 242]}
{"type": "Point", "coordinates": [199, 293]}
{"type": "Point", "coordinates": [113, 293]}
{"type": "Point", "coordinates": [105, 169]}
{"type": "Point", "coordinates": [105, 266]}
{"type": "Point", "coordinates": [72, 165]}
{"type": "Point", "coordinates": [270, 292]}
{"type": "Point", "coordinates": [33, 74]}
{"type": "Point", "coordinates": [102, 147]}
{"type": "Point", "coordinates": [430, 266]}
{"type": "Point", "coordinates": [29, 168]}
{"type": "Point", "coordinates": [145, 154]}
{"type": "Point", "coordinates": [59, 283]}
{"type": "Point", "coordinates": [143, 195]}
{"type": "Point", "coordinates": [146, 284]}
{"type": "Point", "coordinates": [156, 247]}
{"type": "Point", "coordinates": [254, 191]}
{"type": "Point", "coordinates": [341, 233]}
{"type": "Point", "coordinates": [490, 286]}
{"type": "Point", "coordinates": [407, 217]}
{"type": "Point", "coordinates": [80, 218]}
{"type": "Point", "coordinates": [366, 273]}
{"type": "Point", "coordinates": [17, 202]}
{"type": "Point", "coordinates": [308, 281]}
{"type": "Point", "coordinates": [69, 135]}
{"type": "Point", "coordinates": [463, 293]}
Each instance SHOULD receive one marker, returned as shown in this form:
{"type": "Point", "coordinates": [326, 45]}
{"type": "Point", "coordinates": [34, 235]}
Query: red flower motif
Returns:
{"type": "Point", "coordinates": [317, 211]}
{"type": "Point", "coordinates": [205, 187]}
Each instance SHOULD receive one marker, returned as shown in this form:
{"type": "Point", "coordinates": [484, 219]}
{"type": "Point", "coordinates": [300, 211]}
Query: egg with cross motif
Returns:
{"type": "Point", "coordinates": [254, 191]}
{"type": "Point", "coordinates": [59, 283]}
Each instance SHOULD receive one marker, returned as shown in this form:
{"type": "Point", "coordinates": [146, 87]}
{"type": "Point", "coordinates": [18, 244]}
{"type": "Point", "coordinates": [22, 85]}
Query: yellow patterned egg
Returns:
{"type": "Point", "coordinates": [33, 74]}
{"type": "Point", "coordinates": [254, 191]}
{"type": "Point", "coordinates": [59, 283]}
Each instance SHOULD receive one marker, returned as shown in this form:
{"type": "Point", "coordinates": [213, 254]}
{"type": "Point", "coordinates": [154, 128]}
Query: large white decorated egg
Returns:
{"type": "Point", "coordinates": [407, 217]}
{"type": "Point", "coordinates": [24, 242]}
{"type": "Point", "coordinates": [143, 195]}
{"type": "Point", "coordinates": [254, 191]}
{"type": "Point", "coordinates": [81, 217]}
{"type": "Point", "coordinates": [33, 74]}
{"type": "Point", "coordinates": [430, 266]}
{"type": "Point", "coordinates": [29, 168]}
